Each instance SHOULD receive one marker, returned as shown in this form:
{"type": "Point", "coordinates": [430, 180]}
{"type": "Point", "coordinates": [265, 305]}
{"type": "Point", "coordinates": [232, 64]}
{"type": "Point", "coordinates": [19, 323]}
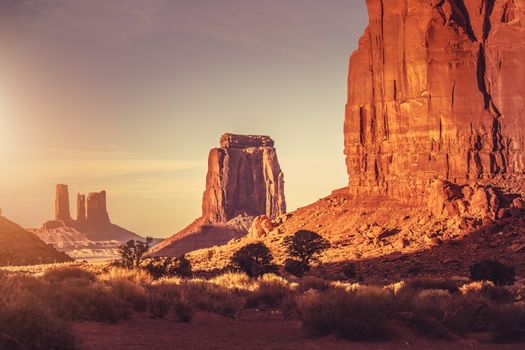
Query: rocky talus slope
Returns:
{"type": "Point", "coordinates": [244, 180]}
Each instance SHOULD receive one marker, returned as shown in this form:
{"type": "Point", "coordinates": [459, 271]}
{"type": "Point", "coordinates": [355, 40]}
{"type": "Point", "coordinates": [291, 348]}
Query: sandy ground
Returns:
{"type": "Point", "coordinates": [253, 330]}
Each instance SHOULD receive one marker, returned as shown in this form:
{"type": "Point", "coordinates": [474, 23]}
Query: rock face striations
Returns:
{"type": "Point", "coordinates": [436, 90]}
{"type": "Point", "coordinates": [244, 180]}
{"type": "Point", "coordinates": [244, 177]}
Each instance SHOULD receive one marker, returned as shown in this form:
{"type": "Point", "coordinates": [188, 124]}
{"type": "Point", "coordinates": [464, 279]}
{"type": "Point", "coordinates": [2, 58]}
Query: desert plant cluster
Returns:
{"type": "Point", "coordinates": [37, 308]}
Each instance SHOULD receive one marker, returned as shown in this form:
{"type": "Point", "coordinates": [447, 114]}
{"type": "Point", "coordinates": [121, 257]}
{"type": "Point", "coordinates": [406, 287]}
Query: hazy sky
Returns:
{"type": "Point", "coordinates": [130, 96]}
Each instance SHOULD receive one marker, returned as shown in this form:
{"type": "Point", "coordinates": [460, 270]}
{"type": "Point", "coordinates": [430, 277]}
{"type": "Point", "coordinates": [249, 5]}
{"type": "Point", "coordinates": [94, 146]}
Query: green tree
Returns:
{"type": "Point", "coordinates": [305, 246]}
{"type": "Point", "coordinates": [133, 253]}
{"type": "Point", "coordinates": [254, 259]}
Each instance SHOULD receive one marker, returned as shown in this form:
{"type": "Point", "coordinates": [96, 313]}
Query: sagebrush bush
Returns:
{"type": "Point", "coordinates": [270, 291]}
{"type": "Point", "coordinates": [361, 315]}
{"type": "Point", "coordinates": [314, 283]}
{"type": "Point", "coordinates": [168, 267]}
{"type": "Point", "coordinates": [158, 305]}
{"type": "Point", "coordinates": [138, 276]}
{"type": "Point", "coordinates": [487, 290]}
{"type": "Point", "coordinates": [184, 310]}
{"type": "Point", "coordinates": [349, 270]}
{"type": "Point", "coordinates": [131, 293]}
{"type": "Point", "coordinates": [64, 273]}
{"type": "Point", "coordinates": [494, 271]}
{"type": "Point", "coordinates": [27, 322]}
{"type": "Point", "coordinates": [507, 322]}
{"type": "Point", "coordinates": [213, 298]}
{"type": "Point", "coordinates": [235, 281]}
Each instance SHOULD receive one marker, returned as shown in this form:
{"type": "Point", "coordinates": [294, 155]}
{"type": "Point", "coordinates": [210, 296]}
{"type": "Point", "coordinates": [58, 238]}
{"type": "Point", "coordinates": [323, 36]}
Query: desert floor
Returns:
{"type": "Point", "coordinates": [252, 330]}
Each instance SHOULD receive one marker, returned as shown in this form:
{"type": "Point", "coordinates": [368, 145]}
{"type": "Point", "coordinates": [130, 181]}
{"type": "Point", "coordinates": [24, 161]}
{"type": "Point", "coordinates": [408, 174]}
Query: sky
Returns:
{"type": "Point", "coordinates": [129, 96]}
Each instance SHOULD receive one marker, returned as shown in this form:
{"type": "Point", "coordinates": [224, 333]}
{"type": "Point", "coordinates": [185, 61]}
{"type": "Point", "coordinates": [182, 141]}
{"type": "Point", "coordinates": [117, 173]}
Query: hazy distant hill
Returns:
{"type": "Point", "coordinates": [21, 247]}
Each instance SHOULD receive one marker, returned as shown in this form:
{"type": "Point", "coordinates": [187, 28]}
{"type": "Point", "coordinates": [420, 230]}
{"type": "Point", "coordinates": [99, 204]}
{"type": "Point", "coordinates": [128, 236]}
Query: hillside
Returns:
{"type": "Point", "coordinates": [21, 247]}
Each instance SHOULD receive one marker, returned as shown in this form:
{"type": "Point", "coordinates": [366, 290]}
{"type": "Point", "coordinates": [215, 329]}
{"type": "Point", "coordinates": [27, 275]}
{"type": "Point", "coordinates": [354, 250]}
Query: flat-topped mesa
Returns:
{"type": "Point", "coordinates": [436, 90]}
{"type": "Point", "coordinates": [245, 141]}
{"type": "Point", "coordinates": [96, 210]}
{"type": "Point", "coordinates": [244, 177]}
{"type": "Point", "coordinates": [62, 212]}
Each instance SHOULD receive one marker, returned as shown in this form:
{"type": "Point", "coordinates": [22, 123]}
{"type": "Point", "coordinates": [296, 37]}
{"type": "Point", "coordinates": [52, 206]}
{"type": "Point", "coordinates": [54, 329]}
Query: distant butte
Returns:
{"type": "Point", "coordinates": [244, 181]}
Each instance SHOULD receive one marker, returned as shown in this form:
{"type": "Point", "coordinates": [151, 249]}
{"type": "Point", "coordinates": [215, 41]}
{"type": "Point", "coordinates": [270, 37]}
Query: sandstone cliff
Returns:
{"type": "Point", "coordinates": [244, 180]}
{"type": "Point", "coordinates": [436, 90]}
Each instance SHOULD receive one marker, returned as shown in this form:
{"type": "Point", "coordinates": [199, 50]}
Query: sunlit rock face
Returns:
{"type": "Point", "coordinates": [244, 177]}
{"type": "Point", "coordinates": [62, 203]}
{"type": "Point", "coordinates": [436, 90]}
{"type": "Point", "coordinates": [244, 181]}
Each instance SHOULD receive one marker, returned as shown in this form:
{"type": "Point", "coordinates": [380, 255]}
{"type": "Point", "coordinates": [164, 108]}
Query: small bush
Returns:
{"type": "Point", "coordinates": [254, 259]}
{"type": "Point", "coordinates": [64, 273]}
{"type": "Point", "coordinates": [295, 267]}
{"type": "Point", "coordinates": [488, 290]}
{"type": "Point", "coordinates": [140, 276]}
{"type": "Point", "coordinates": [416, 285]}
{"type": "Point", "coordinates": [491, 270]}
{"type": "Point", "coordinates": [305, 246]}
{"type": "Point", "coordinates": [359, 316]}
{"type": "Point", "coordinates": [183, 310]}
{"type": "Point", "coordinates": [349, 270]}
{"type": "Point", "coordinates": [133, 253]}
{"type": "Point", "coordinates": [213, 298]}
{"type": "Point", "coordinates": [158, 305]}
{"type": "Point", "coordinates": [270, 291]}
{"type": "Point", "coordinates": [26, 322]}
{"type": "Point", "coordinates": [235, 281]}
{"type": "Point", "coordinates": [132, 294]}
{"type": "Point", "coordinates": [312, 283]}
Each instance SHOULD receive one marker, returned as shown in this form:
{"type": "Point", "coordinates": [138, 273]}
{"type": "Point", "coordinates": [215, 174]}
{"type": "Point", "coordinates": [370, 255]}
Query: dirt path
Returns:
{"type": "Point", "coordinates": [254, 330]}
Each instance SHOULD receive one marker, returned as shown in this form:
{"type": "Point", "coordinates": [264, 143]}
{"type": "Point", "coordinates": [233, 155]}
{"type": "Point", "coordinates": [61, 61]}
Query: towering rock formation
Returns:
{"type": "Point", "coordinates": [81, 208]}
{"type": "Point", "coordinates": [244, 177]}
{"type": "Point", "coordinates": [436, 90]}
{"type": "Point", "coordinates": [244, 181]}
{"type": "Point", "coordinates": [97, 213]}
{"type": "Point", "coordinates": [62, 203]}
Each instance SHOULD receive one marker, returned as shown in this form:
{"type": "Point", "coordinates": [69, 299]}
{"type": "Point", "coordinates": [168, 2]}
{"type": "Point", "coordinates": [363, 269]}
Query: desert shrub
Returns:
{"type": "Point", "coordinates": [83, 301]}
{"type": "Point", "coordinates": [132, 294]}
{"type": "Point", "coordinates": [507, 322]}
{"type": "Point", "coordinates": [255, 259]}
{"type": "Point", "coordinates": [494, 271]}
{"type": "Point", "coordinates": [168, 267]}
{"type": "Point", "coordinates": [313, 283]}
{"type": "Point", "coordinates": [359, 316]}
{"type": "Point", "coordinates": [158, 305]}
{"type": "Point", "coordinates": [305, 246]}
{"type": "Point", "coordinates": [213, 298]}
{"type": "Point", "coordinates": [416, 285]}
{"type": "Point", "coordinates": [26, 322]}
{"type": "Point", "coordinates": [487, 289]}
{"type": "Point", "coordinates": [140, 276]}
{"type": "Point", "coordinates": [133, 253]}
{"type": "Point", "coordinates": [295, 267]}
{"type": "Point", "coordinates": [270, 291]}
{"type": "Point", "coordinates": [456, 312]}
{"type": "Point", "coordinates": [235, 281]}
{"type": "Point", "coordinates": [184, 310]}
{"type": "Point", "coordinates": [64, 273]}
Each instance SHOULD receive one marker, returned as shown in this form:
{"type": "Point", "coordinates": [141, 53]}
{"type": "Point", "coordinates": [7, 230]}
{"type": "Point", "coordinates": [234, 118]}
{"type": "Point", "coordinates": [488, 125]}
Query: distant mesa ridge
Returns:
{"type": "Point", "coordinates": [92, 221]}
{"type": "Point", "coordinates": [244, 180]}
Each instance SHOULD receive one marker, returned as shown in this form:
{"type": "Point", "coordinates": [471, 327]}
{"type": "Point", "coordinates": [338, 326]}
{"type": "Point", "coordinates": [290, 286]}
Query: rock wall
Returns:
{"type": "Point", "coordinates": [81, 208]}
{"type": "Point", "coordinates": [244, 177]}
{"type": "Point", "coordinates": [97, 213]}
{"type": "Point", "coordinates": [436, 90]}
{"type": "Point", "coordinates": [62, 203]}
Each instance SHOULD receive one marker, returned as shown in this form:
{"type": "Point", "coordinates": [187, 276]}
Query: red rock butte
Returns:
{"type": "Point", "coordinates": [244, 180]}
{"type": "Point", "coordinates": [436, 90]}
